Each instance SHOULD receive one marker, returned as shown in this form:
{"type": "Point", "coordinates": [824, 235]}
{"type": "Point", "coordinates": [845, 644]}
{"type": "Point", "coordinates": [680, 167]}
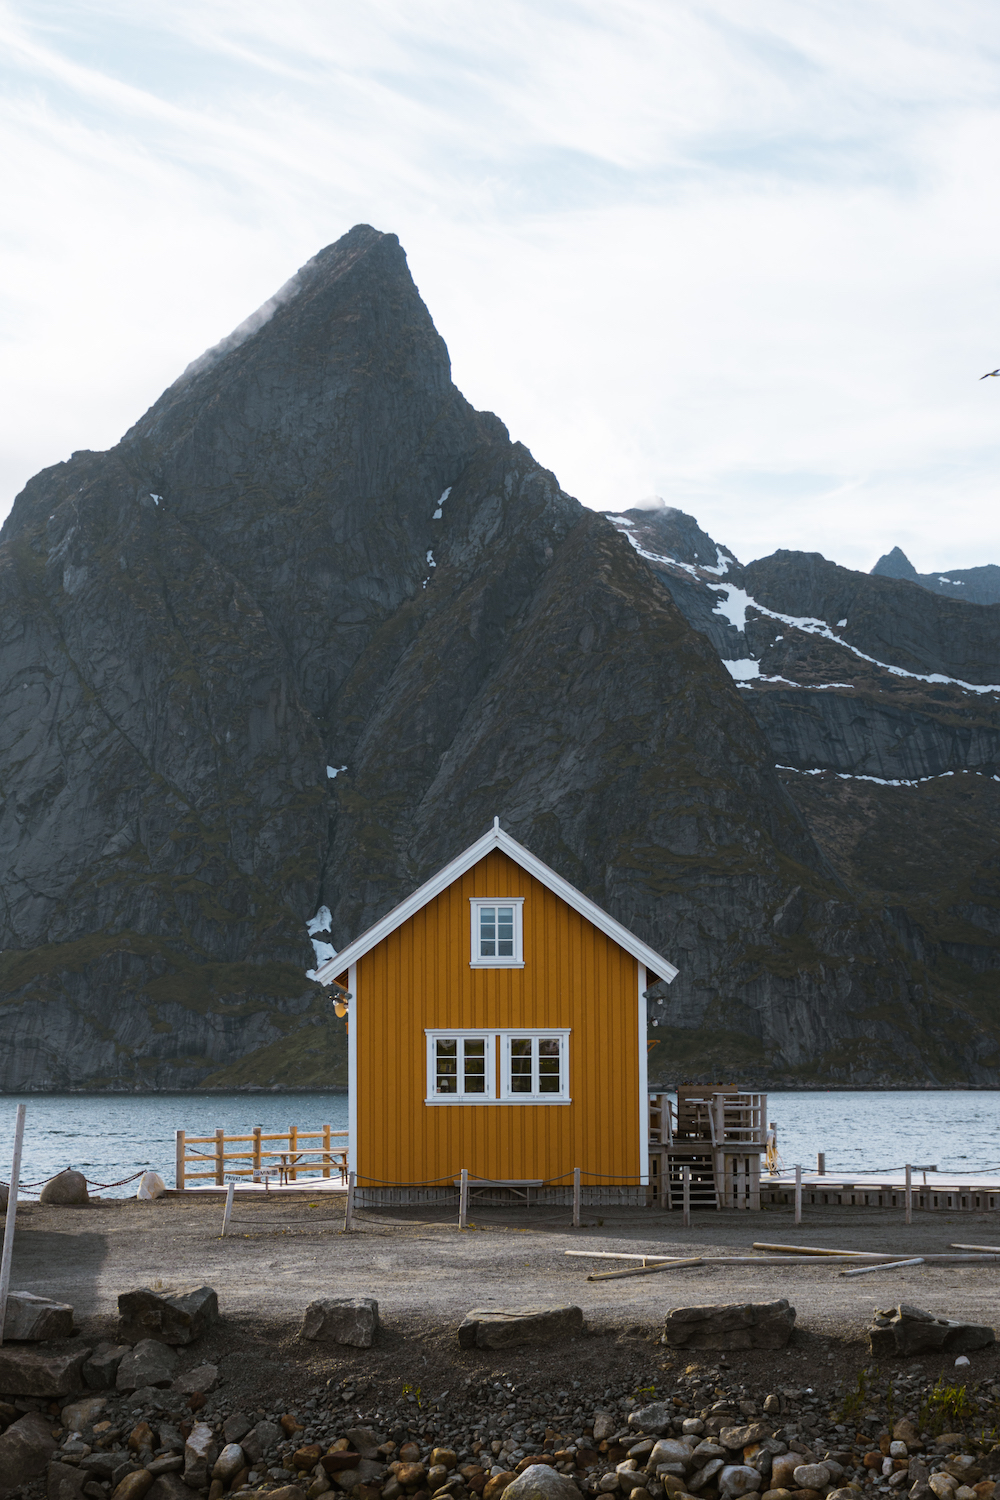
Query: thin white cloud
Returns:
{"type": "Point", "coordinates": [743, 260]}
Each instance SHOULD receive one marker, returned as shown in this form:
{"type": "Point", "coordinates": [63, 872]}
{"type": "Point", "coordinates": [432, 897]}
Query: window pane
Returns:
{"type": "Point", "coordinates": [505, 931]}
{"type": "Point", "coordinates": [475, 1066]}
{"type": "Point", "coordinates": [520, 1065]}
{"type": "Point", "coordinates": [446, 1069]}
{"type": "Point", "coordinates": [548, 1065]}
{"type": "Point", "coordinates": [487, 932]}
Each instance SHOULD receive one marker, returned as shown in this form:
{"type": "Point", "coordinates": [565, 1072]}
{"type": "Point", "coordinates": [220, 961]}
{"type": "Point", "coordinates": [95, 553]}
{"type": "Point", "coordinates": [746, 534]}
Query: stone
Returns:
{"type": "Point", "coordinates": [730, 1325]}
{"type": "Point", "coordinates": [898, 1449]}
{"type": "Point", "coordinates": [174, 1317]}
{"type": "Point", "coordinates": [100, 1369]}
{"type": "Point", "coordinates": [629, 1478]}
{"type": "Point", "coordinates": [772, 1405]}
{"type": "Point", "coordinates": [134, 1486]}
{"type": "Point", "coordinates": [812, 1476]}
{"type": "Point", "coordinates": [307, 1457]}
{"type": "Point", "coordinates": [741, 1437]}
{"type": "Point", "coordinates": [708, 1471]}
{"type": "Point", "coordinates": [364, 1441]}
{"type": "Point", "coordinates": [141, 1439]}
{"type": "Point", "coordinates": [229, 1463]}
{"type": "Point", "coordinates": [692, 1424]}
{"type": "Point", "coordinates": [80, 1414]}
{"type": "Point", "coordinates": [656, 1418]}
{"type": "Point", "coordinates": [507, 1327]}
{"type": "Point", "coordinates": [29, 1372]}
{"type": "Point", "coordinates": [496, 1485]}
{"type": "Point", "coordinates": [542, 1482]}
{"type": "Point", "coordinates": [341, 1320]}
{"type": "Point", "coordinates": [65, 1482]}
{"type": "Point", "coordinates": [670, 1451]}
{"type": "Point", "coordinates": [149, 1363]}
{"type": "Point", "coordinates": [65, 1187]}
{"type": "Point", "coordinates": [199, 1456]}
{"type": "Point", "coordinates": [290, 1424]}
{"type": "Point", "coordinates": [736, 1480]}
{"type": "Point", "coordinates": [235, 1427]}
{"type": "Point", "coordinates": [904, 1431]}
{"type": "Point", "coordinates": [25, 1450]}
{"type": "Point", "coordinates": [604, 1426]}
{"type": "Point", "coordinates": [169, 1463]}
{"type": "Point", "coordinates": [907, 1329]}
{"type": "Point", "coordinates": [846, 1493]}
{"type": "Point", "coordinates": [411, 1474]}
{"type": "Point", "coordinates": [783, 1468]}
{"type": "Point", "coordinates": [446, 1457]}
{"type": "Point", "coordinates": [260, 1440]}
{"type": "Point", "coordinates": [337, 1462]}
{"type": "Point", "coordinates": [287, 1492]}
{"type": "Point", "coordinates": [365, 1471]}
{"type": "Point", "coordinates": [32, 1319]}
{"type": "Point", "coordinates": [169, 1487]}
{"type": "Point", "coordinates": [202, 1378]}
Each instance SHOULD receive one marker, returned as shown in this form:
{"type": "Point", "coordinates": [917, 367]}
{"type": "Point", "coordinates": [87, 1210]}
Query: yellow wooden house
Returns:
{"type": "Point", "coordinates": [497, 1024]}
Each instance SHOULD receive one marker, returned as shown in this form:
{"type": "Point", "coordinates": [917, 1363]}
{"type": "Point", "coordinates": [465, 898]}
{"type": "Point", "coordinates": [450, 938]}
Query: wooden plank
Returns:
{"type": "Point", "coordinates": [179, 1159]}
{"type": "Point", "coordinates": [815, 1250]}
{"type": "Point", "coordinates": [666, 1265]}
{"type": "Point", "coordinates": [990, 1249]}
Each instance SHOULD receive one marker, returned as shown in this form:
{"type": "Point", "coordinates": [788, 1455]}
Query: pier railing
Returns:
{"type": "Point", "coordinates": [260, 1156]}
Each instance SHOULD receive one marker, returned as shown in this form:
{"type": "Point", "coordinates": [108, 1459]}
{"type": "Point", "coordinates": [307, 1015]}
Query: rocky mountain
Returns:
{"type": "Point", "coordinates": [972, 585]}
{"type": "Point", "coordinates": [293, 642]}
{"type": "Point", "coordinates": [882, 708]}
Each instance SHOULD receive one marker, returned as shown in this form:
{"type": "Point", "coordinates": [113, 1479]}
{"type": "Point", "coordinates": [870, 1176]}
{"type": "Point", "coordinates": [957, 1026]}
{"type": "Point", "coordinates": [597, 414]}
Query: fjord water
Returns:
{"type": "Point", "coordinates": [110, 1136]}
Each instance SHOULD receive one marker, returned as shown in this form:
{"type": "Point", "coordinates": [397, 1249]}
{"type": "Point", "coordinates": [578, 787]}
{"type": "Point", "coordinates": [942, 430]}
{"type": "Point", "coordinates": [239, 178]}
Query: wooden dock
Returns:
{"type": "Point", "coordinates": [932, 1191]}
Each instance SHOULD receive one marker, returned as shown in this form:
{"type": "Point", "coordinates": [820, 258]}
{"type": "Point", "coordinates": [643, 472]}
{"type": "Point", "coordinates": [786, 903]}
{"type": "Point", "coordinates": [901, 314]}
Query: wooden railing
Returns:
{"type": "Point", "coordinates": [260, 1156]}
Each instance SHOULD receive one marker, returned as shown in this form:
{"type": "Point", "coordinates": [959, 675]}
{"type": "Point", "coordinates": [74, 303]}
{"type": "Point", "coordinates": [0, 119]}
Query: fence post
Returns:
{"type": "Point", "coordinates": [220, 1155]}
{"type": "Point", "coordinates": [229, 1208]}
{"type": "Point", "coordinates": [798, 1195]}
{"type": "Point", "coordinates": [463, 1198]}
{"type": "Point", "coordinates": [326, 1150]}
{"type": "Point", "coordinates": [349, 1206]}
{"type": "Point", "coordinates": [820, 1163]}
{"type": "Point", "coordinates": [576, 1197]}
{"type": "Point", "coordinates": [686, 1195]}
{"type": "Point", "coordinates": [8, 1232]}
{"type": "Point", "coordinates": [909, 1194]}
{"type": "Point", "coordinates": [256, 1152]}
{"type": "Point", "coordinates": [179, 1149]}
{"type": "Point", "coordinates": [741, 1182]}
{"type": "Point", "coordinates": [293, 1146]}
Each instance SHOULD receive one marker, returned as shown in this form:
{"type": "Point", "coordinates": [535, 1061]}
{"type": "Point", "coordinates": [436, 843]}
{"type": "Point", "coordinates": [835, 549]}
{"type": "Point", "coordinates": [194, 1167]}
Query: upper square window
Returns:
{"type": "Point", "coordinates": [497, 932]}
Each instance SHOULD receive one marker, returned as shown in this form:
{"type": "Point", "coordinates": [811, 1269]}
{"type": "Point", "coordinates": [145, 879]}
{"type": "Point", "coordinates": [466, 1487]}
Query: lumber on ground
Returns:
{"type": "Point", "coordinates": [989, 1249]}
{"type": "Point", "coordinates": [663, 1265]}
{"type": "Point", "coordinates": [918, 1260]}
{"type": "Point", "coordinates": [815, 1250]}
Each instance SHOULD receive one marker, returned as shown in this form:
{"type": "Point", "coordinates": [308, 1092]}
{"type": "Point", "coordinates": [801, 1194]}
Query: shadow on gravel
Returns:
{"type": "Point", "coordinates": [59, 1265]}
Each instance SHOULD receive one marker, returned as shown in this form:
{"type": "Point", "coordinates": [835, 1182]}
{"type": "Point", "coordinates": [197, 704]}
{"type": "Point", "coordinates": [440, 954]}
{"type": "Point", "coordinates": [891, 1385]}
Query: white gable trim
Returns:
{"type": "Point", "coordinates": [495, 839]}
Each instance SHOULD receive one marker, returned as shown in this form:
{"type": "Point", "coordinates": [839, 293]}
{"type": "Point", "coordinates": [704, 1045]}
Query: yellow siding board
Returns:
{"type": "Point", "coordinates": [420, 977]}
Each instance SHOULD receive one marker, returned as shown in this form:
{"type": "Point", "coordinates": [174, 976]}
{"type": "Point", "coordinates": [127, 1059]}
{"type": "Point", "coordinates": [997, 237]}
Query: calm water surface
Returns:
{"type": "Point", "coordinates": [108, 1136]}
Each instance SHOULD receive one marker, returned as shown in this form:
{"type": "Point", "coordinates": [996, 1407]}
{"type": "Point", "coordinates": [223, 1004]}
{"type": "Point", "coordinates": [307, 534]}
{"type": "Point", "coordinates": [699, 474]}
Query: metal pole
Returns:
{"type": "Point", "coordinates": [349, 1208]}
{"type": "Point", "coordinates": [229, 1208]}
{"type": "Point", "coordinates": [686, 1195]}
{"type": "Point", "coordinates": [8, 1232]}
{"type": "Point", "coordinates": [798, 1195]}
{"type": "Point", "coordinates": [576, 1197]}
{"type": "Point", "coordinates": [909, 1194]}
{"type": "Point", "coordinates": [463, 1199]}
{"type": "Point", "coordinates": [821, 1164]}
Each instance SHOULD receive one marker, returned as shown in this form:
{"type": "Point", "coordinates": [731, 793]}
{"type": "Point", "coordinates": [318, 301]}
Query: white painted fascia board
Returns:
{"type": "Point", "coordinates": [496, 839]}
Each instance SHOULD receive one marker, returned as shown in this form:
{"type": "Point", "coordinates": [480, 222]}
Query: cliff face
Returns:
{"type": "Point", "coordinates": [880, 705]}
{"type": "Point", "coordinates": [292, 644]}
{"type": "Point", "coordinates": [969, 585]}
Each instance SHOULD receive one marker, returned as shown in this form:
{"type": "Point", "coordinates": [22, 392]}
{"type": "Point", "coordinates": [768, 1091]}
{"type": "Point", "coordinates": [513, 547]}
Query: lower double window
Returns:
{"type": "Point", "coordinates": [516, 1067]}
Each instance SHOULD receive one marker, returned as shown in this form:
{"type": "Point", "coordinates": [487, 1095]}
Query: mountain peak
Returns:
{"type": "Point", "coordinates": [895, 564]}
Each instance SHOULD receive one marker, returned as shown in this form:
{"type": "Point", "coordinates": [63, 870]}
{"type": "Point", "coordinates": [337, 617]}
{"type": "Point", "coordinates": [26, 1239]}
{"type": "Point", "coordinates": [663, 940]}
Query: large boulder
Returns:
{"type": "Point", "coordinates": [203, 1378]}
{"type": "Point", "coordinates": [730, 1325]}
{"type": "Point", "coordinates": [65, 1482]}
{"type": "Point", "coordinates": [100, 1369]}
{"type": "Point", "coordinates": [149, 1363]}
{"type": "Point", "coordinates": [342, 1320]}
{"type": "Point", "coordinates": [65, 1187]}
{"type": "Point", "coordinates": [33, 1319]}
{"type": "Point", "coordinates": [541, 1482]}
{"type": "Point", "coordinates": [29, 1372]}
{"type": "Point", "coordinates": [174, 1317]}
{"type": "Point", "coordinates": [25, 1450]}
{"type": "Point", "coordinates": [505, 1327]}
{"type": "Point", "coordinates": [909, 1330]}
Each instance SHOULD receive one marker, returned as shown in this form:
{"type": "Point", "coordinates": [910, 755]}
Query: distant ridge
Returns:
{"type": "Point", "coordinates": [973, 585]}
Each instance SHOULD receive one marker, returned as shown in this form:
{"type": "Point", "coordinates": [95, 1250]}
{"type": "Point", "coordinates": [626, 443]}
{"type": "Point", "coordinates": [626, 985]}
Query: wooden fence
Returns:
{"type": "Point", "coordinates": [290, 1156]}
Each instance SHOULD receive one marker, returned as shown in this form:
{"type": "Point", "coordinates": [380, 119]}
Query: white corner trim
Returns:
{"type": "Point", "coordinates": [353, 1017]}
{"type": "Point", "coordinates": [495, 839]}
{"type": "Point", "coordinates": [643, 1083]}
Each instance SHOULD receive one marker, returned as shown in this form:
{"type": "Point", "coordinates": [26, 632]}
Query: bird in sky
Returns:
{"type": "Point", "coordinates": [989, 373]}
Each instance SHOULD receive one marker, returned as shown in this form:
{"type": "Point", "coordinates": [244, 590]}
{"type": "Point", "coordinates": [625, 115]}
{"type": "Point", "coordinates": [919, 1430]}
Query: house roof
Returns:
{"type": "Point", "coordinates": [495, 839]}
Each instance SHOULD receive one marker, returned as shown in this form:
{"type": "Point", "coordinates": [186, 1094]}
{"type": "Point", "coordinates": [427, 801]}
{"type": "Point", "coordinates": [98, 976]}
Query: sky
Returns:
{"type": "Point", "coordinates": [742, 257]}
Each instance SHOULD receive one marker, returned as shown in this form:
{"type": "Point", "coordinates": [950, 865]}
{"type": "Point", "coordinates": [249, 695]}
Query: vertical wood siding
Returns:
{"type": "Point", "coordinates": [419, 977]}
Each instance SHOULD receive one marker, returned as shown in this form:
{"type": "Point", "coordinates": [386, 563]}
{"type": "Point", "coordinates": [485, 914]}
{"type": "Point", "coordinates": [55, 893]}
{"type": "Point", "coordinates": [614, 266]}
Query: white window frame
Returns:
{"type": "Point", "coordinates": [458, 1035]}
{"type": "Point", "coordinates": [507, 1096]}
{"type": "Point", "coordinates": [517, 960]}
